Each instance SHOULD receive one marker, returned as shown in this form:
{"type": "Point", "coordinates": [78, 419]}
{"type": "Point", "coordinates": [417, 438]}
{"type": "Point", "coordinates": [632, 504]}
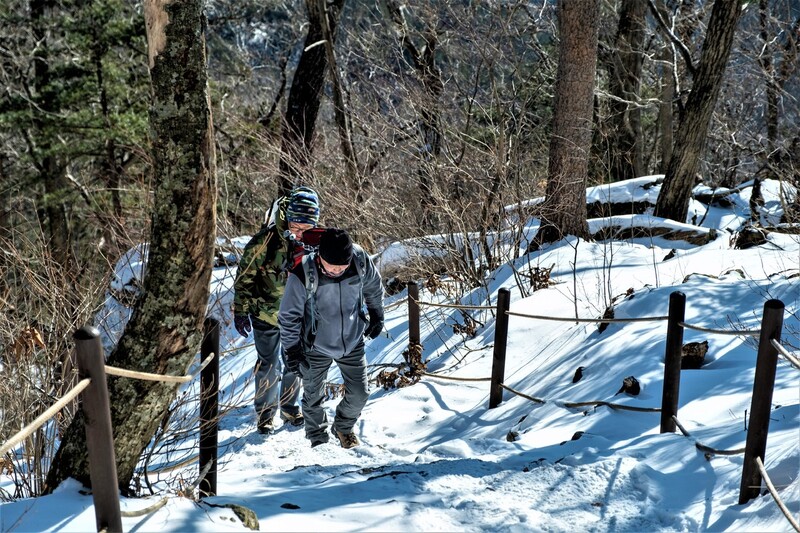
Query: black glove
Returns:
{"type": "Point", "coordinates": [294, 358]}
{"type": "Point", "coordinates": [375, 324]}
{"type": "Point", "coordinates": [242, 324]}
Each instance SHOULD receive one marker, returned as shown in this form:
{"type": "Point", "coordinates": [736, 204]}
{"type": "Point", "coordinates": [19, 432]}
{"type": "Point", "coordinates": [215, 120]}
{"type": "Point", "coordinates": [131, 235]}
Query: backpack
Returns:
{"type": "Point", "coordinates": [271, 215]}
{"type": "Point", "coordinates": [312, 282]}
{"type": "Point", "coordinates": [306, 246]}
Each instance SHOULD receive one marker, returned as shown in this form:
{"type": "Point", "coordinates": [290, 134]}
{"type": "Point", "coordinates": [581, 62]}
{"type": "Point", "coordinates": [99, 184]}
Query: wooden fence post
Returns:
{"type": "Point", "coordinates": [500, 342]}
{"type": "Point", "coordinates": [209, 407]}
{"type": "Point", "coordinates": [413, 314]}
{"type": "Point", "coordinates": [672, 361]}
{"type": "Point", "coordinates": [99, 436]}
{"type": "Point", "coordinates": [761, 404]}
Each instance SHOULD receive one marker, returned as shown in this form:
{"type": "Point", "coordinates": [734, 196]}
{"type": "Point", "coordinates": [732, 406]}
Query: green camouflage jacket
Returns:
{"type": "Point", "coordinates": [261, 276]}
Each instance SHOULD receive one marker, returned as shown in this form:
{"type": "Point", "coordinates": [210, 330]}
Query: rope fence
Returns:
{"type": "Point", "coordinates": [573, 405]}
{"type": "Point", "coordinates": [523, 395]}
{"type": "Point", "coordinates": [28, 430]}
{"type": "Point", "coordinates": [733, 332]}
{"type": "Point", "coordinates": [164, 378]}
{"type": "Point", "coordinates": [703, 447]}
{"type": "Point", "coordinates": [768, 348]}
{"type": "Point", "coordinates": [147, 510]}
{"type": "Point", "coordinates": [589, 320]}
{"type": "Point", "coordinates": [99, 436]}
{"type": "Point", "coordinates": [794, 361]}
{"type": "Point", "coordinates": [753, 469]}
{"type": "Point", "coordinates": [455, 306]}
{"type": "Point", "coordinates": [392, 305]}
{"type": "Point", "coordinates": [775, 496]}
{"type": "Point", "coordinates": [452, 378]}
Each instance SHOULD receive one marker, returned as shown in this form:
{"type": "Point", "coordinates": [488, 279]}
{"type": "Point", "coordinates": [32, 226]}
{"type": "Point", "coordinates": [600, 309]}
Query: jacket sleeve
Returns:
{"type": "Point", "coordinates": [372, 287]}
{"type": "Point", "coordinates": [245, 285]}
{"type": "Point", "coordinates": [292, 311]}
{"type": "Point", "coordinates": [260, 278]}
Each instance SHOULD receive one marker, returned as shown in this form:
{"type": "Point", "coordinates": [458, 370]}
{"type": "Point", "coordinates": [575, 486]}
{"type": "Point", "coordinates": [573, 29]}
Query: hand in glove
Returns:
{"type": "Point", "coordinates": [242, 324]}
{"type": "Point", "coordinates": [294, 358]}
{"type": "Point", "coordinates": [375, 324]}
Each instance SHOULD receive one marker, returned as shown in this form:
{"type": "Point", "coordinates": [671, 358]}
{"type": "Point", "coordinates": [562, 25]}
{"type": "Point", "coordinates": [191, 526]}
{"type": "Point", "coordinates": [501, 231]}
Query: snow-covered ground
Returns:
{"type": "Point", "coordinates": [435, 458]}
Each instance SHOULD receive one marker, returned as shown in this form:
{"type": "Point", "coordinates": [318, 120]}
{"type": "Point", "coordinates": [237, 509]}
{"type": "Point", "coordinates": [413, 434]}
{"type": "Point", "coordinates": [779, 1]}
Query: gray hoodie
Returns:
{"type": "Point", "coordinates": [339, 307]}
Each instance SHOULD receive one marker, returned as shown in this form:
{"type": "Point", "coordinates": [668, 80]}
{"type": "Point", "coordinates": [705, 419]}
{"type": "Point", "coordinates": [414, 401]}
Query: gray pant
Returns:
{"type": "Point", "coordinates": [353, 367]}
{"type": "Point", "coordinates": [268, 367]}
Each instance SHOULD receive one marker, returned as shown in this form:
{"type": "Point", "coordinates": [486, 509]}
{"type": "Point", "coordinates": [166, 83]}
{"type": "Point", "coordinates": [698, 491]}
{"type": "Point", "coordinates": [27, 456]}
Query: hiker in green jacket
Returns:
{"type": "Point", "coordinates": [258, 289]}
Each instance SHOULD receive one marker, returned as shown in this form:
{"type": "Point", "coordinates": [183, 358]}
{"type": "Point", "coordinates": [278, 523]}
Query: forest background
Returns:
{"type": "Point", "coordinates": [405, 117]}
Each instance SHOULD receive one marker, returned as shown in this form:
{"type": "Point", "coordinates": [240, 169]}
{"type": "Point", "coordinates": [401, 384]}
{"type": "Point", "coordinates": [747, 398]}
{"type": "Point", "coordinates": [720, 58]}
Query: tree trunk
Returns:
{"type": "Point", "coordinates": [665, 107]}
{"type": "Point", "coordinates": [430, 123]}
{"type": "Point", "coordinates": [564, 208]}
{"type": "Point", "coordinates": [769, 72]}
{"type": "Point", "coordinates": [166, 328]}
{"type": "Point", "coordinates": [302, 107]}
{"type": "Point", "coordinates": [5, 237]}
{"type": "Point", "coordinates": [52, 171]}
{"type": "Point", "coordinates": [624, 84]}
{"type": "Point", "coordinates": [341, 114]}
{"type": "Point", "coordinates": [673, 200]}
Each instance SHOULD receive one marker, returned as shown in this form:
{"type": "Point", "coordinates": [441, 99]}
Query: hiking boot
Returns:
{"type": "Point", "coordinates": [265, 424]}
{"type": "Point", "coordinates": [295, 420]}
{"type": "Point", "coordinates": [319, 439]}
{"type": "Point", "coordinates": [347, 440]}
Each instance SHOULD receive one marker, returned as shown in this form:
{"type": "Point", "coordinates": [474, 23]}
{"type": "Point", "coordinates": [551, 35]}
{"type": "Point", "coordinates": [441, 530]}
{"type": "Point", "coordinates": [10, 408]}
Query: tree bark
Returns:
{"type": "Point", "coordinates": [52, 171]}
{"type": "Point", "coordinates": [564, 208]}
{"type": "Point", "coordinates": [665, 114]}
{"type": "Point", "coordinates": [303, 104]}
{"type": "Point", "coordinates": [166, 328]}
{"type": "Point", "coordinates": [339, 109]}
{"type": "Point", "coordinates": [624, 84]}
{"type": "Point", "coordinates": [430, 123]}
{"type": "Point", "coordinates": [673, 200]}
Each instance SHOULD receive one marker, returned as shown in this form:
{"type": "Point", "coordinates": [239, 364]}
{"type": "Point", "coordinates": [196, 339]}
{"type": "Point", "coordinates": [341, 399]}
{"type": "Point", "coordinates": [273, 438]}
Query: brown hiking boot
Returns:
{"type": "Point", "coordinates": [347, 440]}
{"type": "Point", "coordinates": [295, 420]}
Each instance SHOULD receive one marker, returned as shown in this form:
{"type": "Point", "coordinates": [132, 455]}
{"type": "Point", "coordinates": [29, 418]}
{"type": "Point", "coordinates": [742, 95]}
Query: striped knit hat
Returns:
{"type": "Point", "coordinates": [303, 206]}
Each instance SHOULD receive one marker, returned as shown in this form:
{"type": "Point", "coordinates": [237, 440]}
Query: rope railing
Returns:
{"type": "Point", "coordinates": [775, 496]}
{"type": "Point", "coordinates": [763, 382]}
{"type": "Point", "coordinates": [100, 444]}
{"type": "Point", "coordinates": [229, 350]}
{"type": "Point", "coordinates": [502, 312]}
{"type": "Point", "coordinates": [734, 332]}
{"type": "Point", "coordinates": [619, 406]}
{"type": "Point", "coordinates": [145, 376]}
{"type": "Point", "coordinates": [174, 466]}
{"type": "Point", "coordinates": [203, 472]}
{"type": "Point", "coordinates": [28, 430]}
{"type": "Point", "coordinates": [452, 378]}
{"type": "Point", "coordinates": [753, 333]}
{"type": "Point", "coordinates": [453, 306]}
{"type": "Point", "coordinates": [589, 320]}
{"type": "Point", "coordinates": [398, 303]}
{"type": "Point", "coordinates": [703, 447]}
{"type": "Point", "coordinates": [147, 510]}
{"type": "Point", "coordinates": [75, 391]}
{"type": "Point", "coordinates": [163, 501]}
{"type": "Point", "coordinates": [522, 395]}
{"type": "Point", "coordinates": [570, 405]}
{"type": "Point", "coordinates": [794, 361]}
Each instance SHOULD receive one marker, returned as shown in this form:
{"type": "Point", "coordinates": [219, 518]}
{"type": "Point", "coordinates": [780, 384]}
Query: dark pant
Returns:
{"type": "Point", "coordinates": [353, 367]}
{"type": "Point", "coordinates": [268, 373]}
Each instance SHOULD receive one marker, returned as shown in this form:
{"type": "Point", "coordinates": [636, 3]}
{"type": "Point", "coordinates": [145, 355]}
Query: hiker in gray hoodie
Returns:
{"type": "Point", "coordinates": [333, 299]}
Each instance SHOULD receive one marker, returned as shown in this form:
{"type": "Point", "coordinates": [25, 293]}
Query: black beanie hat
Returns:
{"type": "Point", "coordinates": [335, 247]}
